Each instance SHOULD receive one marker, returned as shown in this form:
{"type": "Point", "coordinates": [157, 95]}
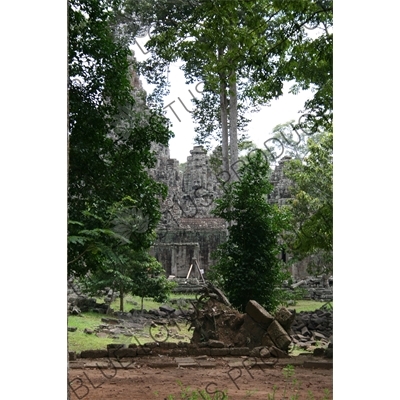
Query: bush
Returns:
{"type": "Point", "coordinates": [248, 265]}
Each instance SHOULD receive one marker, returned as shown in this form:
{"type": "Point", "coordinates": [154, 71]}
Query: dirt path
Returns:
{"type": "Point", "coordinates": [141, 382]}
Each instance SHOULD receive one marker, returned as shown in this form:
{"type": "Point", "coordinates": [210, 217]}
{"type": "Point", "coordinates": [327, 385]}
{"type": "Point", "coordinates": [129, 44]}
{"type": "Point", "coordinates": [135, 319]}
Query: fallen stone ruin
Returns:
{"type": "Point", "coordinates": [219, 326]}
{"type": "Point", "coordinates": [218, 329]}
{"type": "Point", "coordinates": [314, 288]}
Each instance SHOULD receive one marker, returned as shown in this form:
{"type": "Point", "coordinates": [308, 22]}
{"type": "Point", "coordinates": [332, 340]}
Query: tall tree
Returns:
{"type": "Point", "coordinates": [312, 204]}
{"type": "Point", "coordinates": [116, 247]}
{"type": "Point", "coordinates": [310, 64]}
{"type": "Point", "coordinates": [237, 48]}
{"type": "Point", "coordinates": [248, 266]}
{"type": "Point", "coordinates": [110, 133]}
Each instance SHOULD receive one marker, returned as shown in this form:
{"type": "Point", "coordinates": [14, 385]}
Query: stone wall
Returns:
{"type": "Point", "coordinates": [187, 229]}
{"type": "Point", "coordinates": [194, 238]}
{"type": "Point", "coordinates": [281, 192]}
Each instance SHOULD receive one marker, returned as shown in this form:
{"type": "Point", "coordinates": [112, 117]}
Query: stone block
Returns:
{"type": "Point", "coordinates": [158, 350]}
{"type": "Point", "coordinates": [279, 336]}
{"type": "Point", "coordinates": [298, 325]}
{"type": "Point", "coordinates": [255, 352]}
{"type": "Point", "coordinates": [188, 365]}
{"type": "Point", "coordinates": [94, 353]}
{"type": "Point", "coordinates": [206, 364]}
{"type": "Point", "coordinates": [122, 352]}
{"type": "Point", "coordinates": [143, 351]}
{"type": "Point", "coordinates": [305, 332]}
{"type": "Point", "coordinates": [278, 353]}
{"type": "Point", "coordinates": [302, 338]}
{"type": "Point", "coordinates": [198, 351]}
{"type": "Point", "coordinates": [265, 353]}
{"type": "Point", "coordinates": [260, 351]}
{"type": "Point", "coordinates": [251, 333]}
{"type": "Point", "coordinates": [220, 352]}
{"type": "Point", "coordinates": [318, 364]}
{"type": "Point", "coordinates": [285, 318]}
{"type": "Point", "coordinates": [166, 345]}
{"type": "Point", "coordinates": [152, 345]}
{"type": "Point", "coordinates": [167, 309]}
{"type": "Point", "coordinates": [258, 313]}
{"type": "Point", "coordinates": [239, 351]}
{"type": "Point", "coordinates": [318, 336]}
{"type": "Point", "coordinates": [215, 343]}
{"type": "Point", "coordinates": [119, 346]}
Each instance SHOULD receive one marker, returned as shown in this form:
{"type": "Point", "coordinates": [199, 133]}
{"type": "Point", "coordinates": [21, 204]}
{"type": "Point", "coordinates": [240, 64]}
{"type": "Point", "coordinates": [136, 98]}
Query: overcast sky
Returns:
{"type": "Point", "coordinates": [282, 110]}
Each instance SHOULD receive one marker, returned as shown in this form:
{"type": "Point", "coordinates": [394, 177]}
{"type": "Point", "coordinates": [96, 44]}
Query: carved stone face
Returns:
{"type": "Point", "coordinates": [190, 202]}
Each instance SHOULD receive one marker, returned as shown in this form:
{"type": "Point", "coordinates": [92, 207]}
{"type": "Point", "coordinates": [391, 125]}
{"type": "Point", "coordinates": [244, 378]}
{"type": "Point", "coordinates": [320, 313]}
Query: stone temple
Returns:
{"type": "Point", "coordinates": [187, 230]}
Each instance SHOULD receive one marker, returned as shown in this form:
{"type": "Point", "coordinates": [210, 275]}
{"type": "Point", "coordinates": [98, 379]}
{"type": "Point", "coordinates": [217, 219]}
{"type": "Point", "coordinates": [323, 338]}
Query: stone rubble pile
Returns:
{"type": "Point", "coordinates": [78, 302]}
{"type": "Point", "coordinates": [219, 325]}
{"type": "Point", "coordinates": [310, 329]}
{"type": "Point", "coordinates": [314, 288]}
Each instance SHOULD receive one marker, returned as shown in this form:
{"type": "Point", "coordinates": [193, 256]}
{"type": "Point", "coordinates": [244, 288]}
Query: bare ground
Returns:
{"type": "Point", "coordinates": [142, 382]}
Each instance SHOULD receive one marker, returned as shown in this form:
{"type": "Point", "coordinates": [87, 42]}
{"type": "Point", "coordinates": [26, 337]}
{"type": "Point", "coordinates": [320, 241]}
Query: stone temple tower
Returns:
{"type": "Point", "coordinates": [187, 229]}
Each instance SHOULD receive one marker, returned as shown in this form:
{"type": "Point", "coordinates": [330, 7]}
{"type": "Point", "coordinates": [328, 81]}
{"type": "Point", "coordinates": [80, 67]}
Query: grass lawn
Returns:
{"type": "Point", "coordinates": [307, 305]}
{"type": "Point", "coordinates": [78, 340]}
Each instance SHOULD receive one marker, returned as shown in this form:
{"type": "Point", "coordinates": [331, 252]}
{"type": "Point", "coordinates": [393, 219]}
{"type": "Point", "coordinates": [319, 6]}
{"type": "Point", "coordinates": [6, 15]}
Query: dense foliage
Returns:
{"type": "Point", "coordinates": [243, 52]}
{"type": "Point", "coordinates": [134, 272]}
{"type": "Point", "coordinates": [311, 207]}
{"type": "Point", "coordinates": [248, 264]}
{"type": "Point", "coordinates": [110, 134]}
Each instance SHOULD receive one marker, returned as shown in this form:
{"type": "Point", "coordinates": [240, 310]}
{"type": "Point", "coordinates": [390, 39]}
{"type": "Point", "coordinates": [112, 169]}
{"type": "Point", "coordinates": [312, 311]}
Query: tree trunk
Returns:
{"type": "Point", "coordinates": [141, 308]}
{"type": "Point", "coordinates": [233, 139]}
{"type": "Point", "coordinates": [224, 124]}
{"type": "Point", "coordinates": [121, 298]}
